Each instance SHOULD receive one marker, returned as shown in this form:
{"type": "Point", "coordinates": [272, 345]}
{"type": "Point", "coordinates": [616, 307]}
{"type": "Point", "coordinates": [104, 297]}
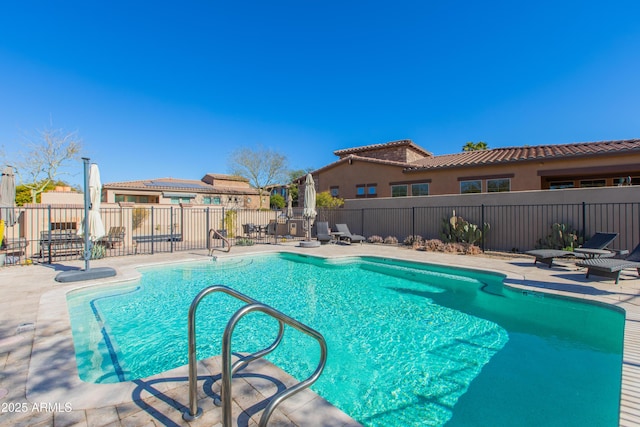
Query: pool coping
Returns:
{"type": "Point", "coordinates": [52, 372]}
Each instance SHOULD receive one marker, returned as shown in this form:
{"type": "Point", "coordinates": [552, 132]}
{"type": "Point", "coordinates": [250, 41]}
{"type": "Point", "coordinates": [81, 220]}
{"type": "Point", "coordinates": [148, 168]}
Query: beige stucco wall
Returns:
{"type": "Point", "coordinates": [526, 175]}
{"type": "Point", "coordinates": [537, 197]}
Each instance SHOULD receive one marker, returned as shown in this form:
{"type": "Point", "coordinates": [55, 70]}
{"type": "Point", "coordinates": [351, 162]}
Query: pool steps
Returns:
{"type": "Point", "coordinates": [228, 369]}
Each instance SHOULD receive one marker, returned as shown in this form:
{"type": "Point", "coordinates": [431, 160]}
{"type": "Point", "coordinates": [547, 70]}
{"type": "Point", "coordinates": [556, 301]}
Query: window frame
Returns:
{"type": "Point", "coordinates": [420, 184]}
{"type": "Point", "coordinates": [395, 187]}
{"type": "Point", "coordinates": [499, 189]}
{"type": "Point", "coordinates": [468, 181]}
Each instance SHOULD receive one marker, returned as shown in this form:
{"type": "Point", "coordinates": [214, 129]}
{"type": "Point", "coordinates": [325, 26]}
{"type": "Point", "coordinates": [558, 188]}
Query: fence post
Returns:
{"type": "Point", "coordinates": [171, 229]}
{"type": "Point", "coordinates": [584, 220]}
{"type": "Point", "coordinates": [482, 228]}
{"type": "Point", "coordinates": [362, 220]}
{"type": "Point", "coordinates": [49, 233]}
{"type": "Point", "coordinates": [152, 228]}
{"type": "Point", "coordinates": [413, 221]}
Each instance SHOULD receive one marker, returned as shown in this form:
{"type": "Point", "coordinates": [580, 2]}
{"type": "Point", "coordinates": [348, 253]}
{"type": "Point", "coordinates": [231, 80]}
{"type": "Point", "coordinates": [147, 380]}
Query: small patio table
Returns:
{"type": "Point", "coordinates": [592, 253]}
{"type": "Point", "coordinates": [335, 236]}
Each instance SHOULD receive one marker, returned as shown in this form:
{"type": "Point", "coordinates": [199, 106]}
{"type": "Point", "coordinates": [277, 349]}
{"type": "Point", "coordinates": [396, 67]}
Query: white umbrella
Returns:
{"type": "Point", "coordinates": [289, 205]}
{"type": "Point", "coordinates": [95, 225]}
{"type": "Point", "coordinates": [8, 196]}
{"type": "Point", "coordinates": [309, 202]}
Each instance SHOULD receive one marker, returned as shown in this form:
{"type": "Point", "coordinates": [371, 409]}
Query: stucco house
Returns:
{"type": "Point", "coordinates": [404, 169]}
{"type": "Point", "coordinates": [213, 189]}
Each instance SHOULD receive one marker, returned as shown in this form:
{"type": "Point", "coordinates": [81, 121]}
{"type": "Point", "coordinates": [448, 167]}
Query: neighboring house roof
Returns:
{"type": "Point", "coordinates": [178, 185]}
{"type": "Point", "coordinates": [519, 154]}
{"type": "Point", "coordinates": [351, 158]}
{"type": "Point", "coordinates": [373, 147]}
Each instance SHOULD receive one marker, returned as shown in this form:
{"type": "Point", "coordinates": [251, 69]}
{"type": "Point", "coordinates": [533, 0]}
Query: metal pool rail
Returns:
{"type": "Point", "coordinates": [228, 369]}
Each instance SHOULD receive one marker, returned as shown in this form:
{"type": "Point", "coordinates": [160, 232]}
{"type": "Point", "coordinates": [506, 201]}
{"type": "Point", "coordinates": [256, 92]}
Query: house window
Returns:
{"type": "Point", "coordinates": [421, 189]}
{"type": "Point", "coordinates": [592, 183]}
{"type": "Point", "coordinates": [217, 200]}
{"type": "Point", "coordinates": [178, 200]}
{"type": "Point", "coordinates": [335, 191]}
{"type": "Point", "coordinates": [558, 185]}
{"type": "Point", "coordinates": [366, 190]}
{"type": "Point", "coordinates": [474, 186]}
{"type": "Point", "coordinates": [498, 185]}
{"type": "Point", "coordinates": [399, 190]}
{"type": "Point", "coordinates": [135, 199]}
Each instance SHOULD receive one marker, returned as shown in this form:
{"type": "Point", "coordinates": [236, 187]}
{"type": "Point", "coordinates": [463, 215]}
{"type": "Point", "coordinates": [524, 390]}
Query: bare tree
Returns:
{"type": "Point", "coordinates": [261, 166]}
{"type": "Point", "coordinates": [47, 153]}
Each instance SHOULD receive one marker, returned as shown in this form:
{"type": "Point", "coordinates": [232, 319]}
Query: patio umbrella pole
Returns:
{"type": "Point", "coordinates": [87, 273]}
{"type": "Point", "coordinates": [87, 202]}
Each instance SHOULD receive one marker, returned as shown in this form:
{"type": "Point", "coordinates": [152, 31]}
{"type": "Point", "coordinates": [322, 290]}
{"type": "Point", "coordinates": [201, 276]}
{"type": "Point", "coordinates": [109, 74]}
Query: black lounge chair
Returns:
{"type": "Point", "coordinates": [322, 231]}
{"type": "Point", "coordinates": [598, 241]}
{"type": "Point", "coordinates": [346, 234]}
{"type": "Point", "coordinates": [612, 267]}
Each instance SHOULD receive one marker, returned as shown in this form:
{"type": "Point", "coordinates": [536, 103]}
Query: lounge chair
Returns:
{"type": "Point", "coordinates": [599, 242]}
{"type": "Point", "coordinates": [346, 234]}
{"type": "Point", "coordinates": [323, 234]}
{"type": "Point", "coordinates": [612, 267]}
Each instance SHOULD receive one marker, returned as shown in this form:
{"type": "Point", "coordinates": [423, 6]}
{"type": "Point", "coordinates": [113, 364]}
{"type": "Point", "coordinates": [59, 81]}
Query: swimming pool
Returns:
{"type": "Point", "coordinates": [409, 344]}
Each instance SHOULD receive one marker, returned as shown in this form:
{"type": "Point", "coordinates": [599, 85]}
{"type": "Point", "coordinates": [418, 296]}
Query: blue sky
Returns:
{"type": "Point", "coordinates": [160, 89]}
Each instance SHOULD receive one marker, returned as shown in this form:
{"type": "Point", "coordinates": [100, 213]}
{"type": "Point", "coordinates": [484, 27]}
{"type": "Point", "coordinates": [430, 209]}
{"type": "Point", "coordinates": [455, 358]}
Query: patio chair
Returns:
{"type": "Point", "coordinates": [323, 234]}
{"type": "Point", "coordinates": [612, 267]}
{"type": "Point", "coordinates": [113, 238]}
{"type": "Point", "coordinates": [598, 242]}
{"type": "Point", "coordinates": [346, 234]}
{"type": "Point", "coordinates": [249, 230]}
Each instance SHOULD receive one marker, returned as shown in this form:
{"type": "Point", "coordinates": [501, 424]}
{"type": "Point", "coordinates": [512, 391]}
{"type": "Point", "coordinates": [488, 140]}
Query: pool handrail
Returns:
{"type": "Point", "coordinates": [228, 369]}
{"type": "Point", "coordinates": [215, 233]}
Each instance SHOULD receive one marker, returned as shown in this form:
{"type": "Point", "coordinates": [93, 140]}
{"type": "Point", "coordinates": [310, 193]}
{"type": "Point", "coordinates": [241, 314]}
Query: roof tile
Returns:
{"type": "Point", "coordinates": [514, 154]}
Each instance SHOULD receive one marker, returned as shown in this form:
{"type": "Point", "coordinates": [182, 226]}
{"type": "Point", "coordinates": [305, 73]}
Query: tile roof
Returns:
{"type": "Point", "coordinates": [525, 153]}
{"type": "Point", "coordinates": [173, 184]}
{"type": "Point", "coordinates": [392, 144]}
{"type": "Point", "coordinates": [352, 158]}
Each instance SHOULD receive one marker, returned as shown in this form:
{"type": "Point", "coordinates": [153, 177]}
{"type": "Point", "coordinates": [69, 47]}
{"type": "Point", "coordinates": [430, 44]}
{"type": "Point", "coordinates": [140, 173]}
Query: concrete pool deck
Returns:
{"type": "Point", "coordinates": [39, 385]}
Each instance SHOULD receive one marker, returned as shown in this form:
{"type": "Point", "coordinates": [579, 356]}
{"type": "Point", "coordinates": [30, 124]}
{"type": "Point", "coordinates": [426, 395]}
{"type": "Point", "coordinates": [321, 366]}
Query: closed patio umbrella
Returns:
{"type": "Point", "coordinates": [96, 227]}
{"type": "Point", "coordinates": [289, 205]}
{"type": "Point", "coordinates": [309, 203]}
{"type": "Point", "coordinates": [92, 227]}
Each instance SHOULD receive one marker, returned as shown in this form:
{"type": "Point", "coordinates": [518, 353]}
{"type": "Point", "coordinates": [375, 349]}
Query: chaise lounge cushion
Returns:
{"type": "Point", "coordinates": [346, 234]}
{"type": "Point", "coordinates": [609, 267]}
{"type": "Point", "coordinates": [597, 241]}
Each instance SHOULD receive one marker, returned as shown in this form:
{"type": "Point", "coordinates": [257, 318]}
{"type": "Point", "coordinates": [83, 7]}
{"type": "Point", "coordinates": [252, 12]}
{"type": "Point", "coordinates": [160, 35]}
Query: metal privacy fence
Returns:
{"type": "Point", "coordinates": [49, 234]}
{"type": "Point", "coordinates": [511, 228]}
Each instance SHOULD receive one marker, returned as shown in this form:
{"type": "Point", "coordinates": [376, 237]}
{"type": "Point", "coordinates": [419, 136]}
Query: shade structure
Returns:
{"type": "Point", "coordinates": [8, 196]}
{"type": "Point", "coordinates": [289, 205]}
{"type": "Point", "coordinates": [309, 198]}
{"type": "Point", "coordinates": [94, 223]}
{"type": "Point", "coordinates": [309, 203]}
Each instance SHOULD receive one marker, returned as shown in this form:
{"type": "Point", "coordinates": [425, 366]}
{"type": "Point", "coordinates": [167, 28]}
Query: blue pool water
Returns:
{"type": "Point", "coordinates": [409, 344]}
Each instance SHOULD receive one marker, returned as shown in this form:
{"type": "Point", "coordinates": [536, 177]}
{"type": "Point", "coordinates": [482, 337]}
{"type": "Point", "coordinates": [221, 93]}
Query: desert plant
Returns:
{"type": "Point", "coordinates": [434, 245]}
{"type": "Point", "coordinates": [230, 217]}
{"type": "Point", "coordinates": [458, 230]}
{"type": "Point", "coordinates": [562, 236]}
{"type": "Point", "coordinates": [390, 240]}
{"type": "Point", "coordinates": [138, 216]}
{"type": "Point", "coordinates": [98, 251]}
{"type": "Point", "coordinates": [412, 240]}
{"type": "Point", "coordinates": [375, 239]}
{"type": "Point", "coordinates": [243, 241]}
